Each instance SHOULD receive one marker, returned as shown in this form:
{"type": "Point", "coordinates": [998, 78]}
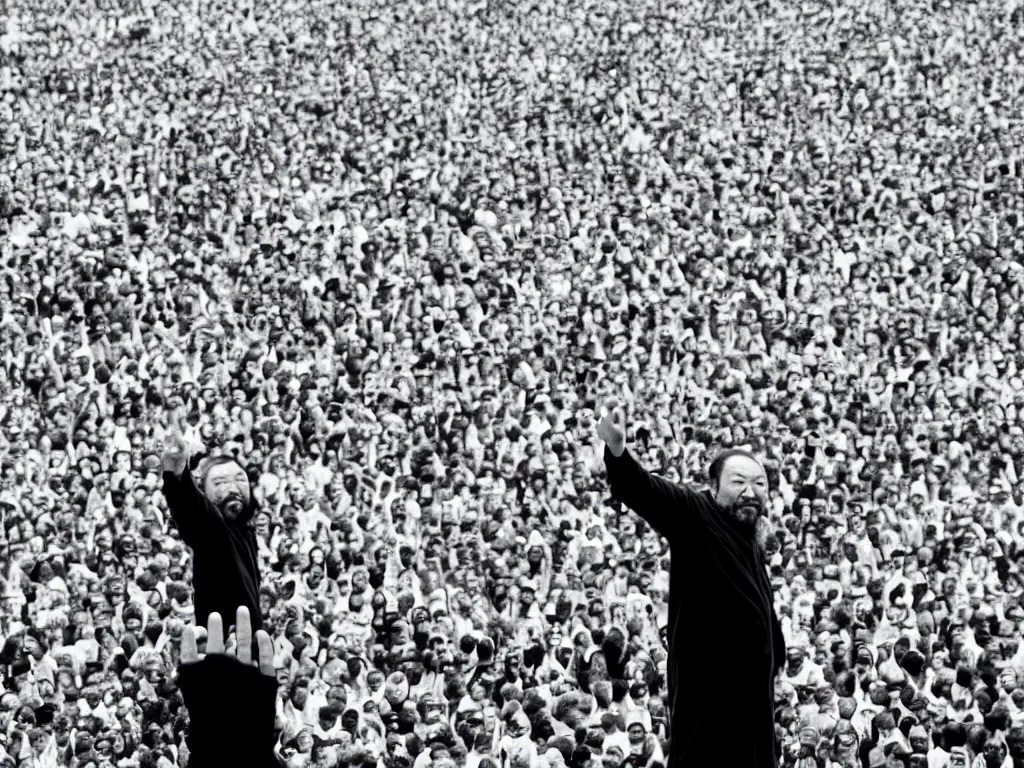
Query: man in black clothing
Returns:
{"type": "Point", "coordinates": [216, 523]}
{"type": "Point", "coordinates": [725, 640]}
{"type": "Point", "coordinates": [230, 695]}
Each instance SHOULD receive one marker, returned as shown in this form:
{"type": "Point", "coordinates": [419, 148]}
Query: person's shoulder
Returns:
{"type": "Point", "coordinates": [699, 498]}
{"type": "Point", "coordinates": [704, 494]}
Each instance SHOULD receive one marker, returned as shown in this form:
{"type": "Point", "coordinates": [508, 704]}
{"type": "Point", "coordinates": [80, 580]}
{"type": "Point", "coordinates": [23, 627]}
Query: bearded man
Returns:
{"type": "Point", "coordinates": [214, 514]}
{"type": "Point", "coordinates": [720, 602]}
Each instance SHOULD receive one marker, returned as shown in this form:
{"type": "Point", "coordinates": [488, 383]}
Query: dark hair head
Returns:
{"type": "Point", "coordinates": [715, 470]}
{"type": "Point", "coordinates": [218, 461]}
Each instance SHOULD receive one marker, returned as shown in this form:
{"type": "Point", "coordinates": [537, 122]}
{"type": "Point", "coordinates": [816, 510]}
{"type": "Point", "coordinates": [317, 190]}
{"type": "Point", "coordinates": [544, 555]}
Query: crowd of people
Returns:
{"type": "Point", "coordinates": [392, 256]}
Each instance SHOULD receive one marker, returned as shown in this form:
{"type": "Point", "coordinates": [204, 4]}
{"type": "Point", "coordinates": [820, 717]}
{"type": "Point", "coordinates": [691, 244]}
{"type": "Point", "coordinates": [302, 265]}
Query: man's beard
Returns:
{"type": "Point", "coordinates": [231, 506]}
{"type": "Point", "coordinates": [747, 511]}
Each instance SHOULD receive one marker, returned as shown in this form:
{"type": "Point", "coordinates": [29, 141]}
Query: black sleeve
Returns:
{"type": "Point", "coordinates": [188, 508]}
{"type": "Point", "coordinates": [778, 641]}
{"type": "Point", "coordinates": [231, 713]}
{"type": "Point", "coordinates": [667, 507]}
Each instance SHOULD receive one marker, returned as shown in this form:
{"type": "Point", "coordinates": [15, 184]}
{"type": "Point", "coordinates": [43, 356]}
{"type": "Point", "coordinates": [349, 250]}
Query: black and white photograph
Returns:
{"type": "Point", "coordinates": [512, 384]}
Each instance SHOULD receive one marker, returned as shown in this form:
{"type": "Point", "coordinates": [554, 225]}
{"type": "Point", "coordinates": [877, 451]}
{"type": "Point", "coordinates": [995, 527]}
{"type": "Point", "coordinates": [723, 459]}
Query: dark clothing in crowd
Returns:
{"type": "Point", "coordinates": [719, 575]}
{"type": "Point", "coordinates": [231, 714]}
{"type": "Point", "coordinates": [224, 554]}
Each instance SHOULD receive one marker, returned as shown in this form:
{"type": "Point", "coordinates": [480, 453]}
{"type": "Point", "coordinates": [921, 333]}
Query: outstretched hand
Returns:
{"type": "Point", "coordinates": [230, 696]}
{"type": "Point", "coordinates": [612, 427]}
{"type": "Point", "coordinates": [238, 645]}
{"type": "Point", "coordinates": [176, 452]}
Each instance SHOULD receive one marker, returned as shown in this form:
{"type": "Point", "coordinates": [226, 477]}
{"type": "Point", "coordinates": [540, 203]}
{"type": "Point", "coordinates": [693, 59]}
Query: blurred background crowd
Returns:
{"type": "Point", "coordinates": [392, 256]}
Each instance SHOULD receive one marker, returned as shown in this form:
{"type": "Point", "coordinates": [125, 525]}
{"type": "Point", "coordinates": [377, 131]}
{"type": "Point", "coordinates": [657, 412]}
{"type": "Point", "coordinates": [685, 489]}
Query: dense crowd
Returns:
{"type": "Point", "coordinates": [393, 256]}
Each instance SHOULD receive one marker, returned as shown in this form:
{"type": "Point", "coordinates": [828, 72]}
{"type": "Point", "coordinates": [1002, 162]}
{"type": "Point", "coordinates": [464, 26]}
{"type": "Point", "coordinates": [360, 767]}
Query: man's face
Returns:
{"type": "Point", "coordinates": [1015, 743]}
{"type": "Point", "coordinates": [62, 734]}
{"type": "Point", "coordinates": [743, 489]}
{"type": "Point", "coordinates": [227, 488]}
{"type": "Point", "coordinates": [636, 734]}
{"type": "Point", "coordinates": [38, 742]}
{"type": "Point", "coordinates": [327, 722]}
{"type": "Point", "coordinates": [31, 647]}
{"type": "Point", "coordinates": [407, 558]}
{"type": "Point", "coordinates": [337, 695]}
{"type": "Point", "coordinates": [350, 720]}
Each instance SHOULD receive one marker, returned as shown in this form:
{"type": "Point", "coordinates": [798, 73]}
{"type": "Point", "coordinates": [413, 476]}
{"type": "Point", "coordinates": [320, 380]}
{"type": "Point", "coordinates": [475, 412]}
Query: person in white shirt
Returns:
{"type": "Point", "coordinates": [613, 725]}
{"type": "Point", "coordinates": [800, 671]}
{"type": "Point", "coordinates": [641, 741]}
{"type": "Point", "coordinates": [295, 712]}
{"type": "Point", "coordinates": [44, 668]}
{"type": "Point", "coordinates": [481, 749]}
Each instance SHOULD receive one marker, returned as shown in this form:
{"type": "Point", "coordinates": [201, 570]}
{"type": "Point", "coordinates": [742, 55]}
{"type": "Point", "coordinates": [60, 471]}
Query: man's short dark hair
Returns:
{"type": "Point", "coordinates": [715, 470]}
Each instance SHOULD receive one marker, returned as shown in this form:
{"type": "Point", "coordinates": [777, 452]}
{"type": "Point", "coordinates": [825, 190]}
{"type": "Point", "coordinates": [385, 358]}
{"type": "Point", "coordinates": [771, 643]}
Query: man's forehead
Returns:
{"type": "Point", "coordinates": [743, 465]}
{"type": "Point", "coordinates": [221, 471]}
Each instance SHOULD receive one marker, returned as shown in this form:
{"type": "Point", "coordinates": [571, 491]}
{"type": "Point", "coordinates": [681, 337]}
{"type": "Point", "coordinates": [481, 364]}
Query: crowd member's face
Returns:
{"type": "Point", "coordinates": [338, 695]}
{"type": "Point", "coordinates": [742, 489]}
{"type": "Point", "coordinates": [227, 488]}
{"type": "Point", "coordinates": [514, 662]}
{"type": "Point", "coordinates": [636, 734]}
{"type": "Point", "coordinates": [33, 648]}
{"type": "Point", "coordinates": [62, 734]}
{"type": "Point", "coordinates": [536, 554]}
{"type": "Point", "coordinates": [350, 721]}
{"type": "Point", "coordinates": [315, 576]}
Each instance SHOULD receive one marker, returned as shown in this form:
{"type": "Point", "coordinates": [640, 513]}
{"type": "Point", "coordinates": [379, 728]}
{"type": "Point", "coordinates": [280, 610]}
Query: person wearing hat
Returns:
{"type": "Point", "coordinates": [718, 569]}
{"type": "Point", "coordinates": [214, 517]}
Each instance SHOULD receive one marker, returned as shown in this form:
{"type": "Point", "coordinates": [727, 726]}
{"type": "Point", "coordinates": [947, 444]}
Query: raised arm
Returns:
{"type": "Point", "coordinates": [185, 502]}
{"type": "Point", "coordinates": [664, 505]}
